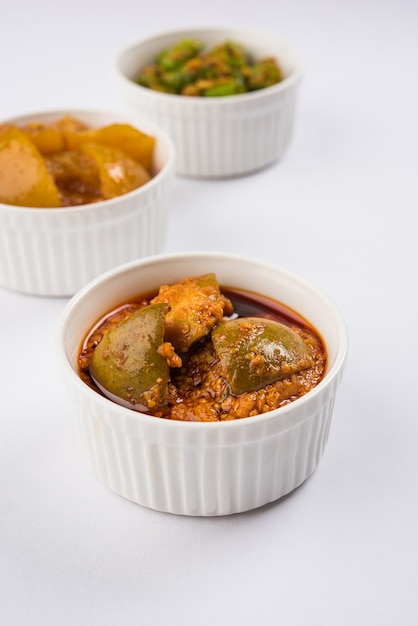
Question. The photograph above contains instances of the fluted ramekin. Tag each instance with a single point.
(223, 136)
(54, 252)
(192, 468)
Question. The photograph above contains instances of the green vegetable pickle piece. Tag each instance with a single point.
(229, 88)
(264, 74)
(255, 352)
(179, 53)
(231, 53)
(126, 364)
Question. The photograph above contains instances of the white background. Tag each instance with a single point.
(339, 209)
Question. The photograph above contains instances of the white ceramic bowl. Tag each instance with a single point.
(54, 252)
(224, 136)
(192, 468)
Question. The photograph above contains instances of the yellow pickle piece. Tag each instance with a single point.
(196, 305)
(118, 173)
(124, 137)
(24, 177)
(46, 138)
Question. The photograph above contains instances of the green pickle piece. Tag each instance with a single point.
(229, 88)
(231, 53)
(264, 74)
(179, 53)
(255, 352)
(126, 365)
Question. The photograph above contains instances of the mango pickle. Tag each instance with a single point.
(66, 163)
(127, 364)
(25, 179)
(194, 351)
(225, 70)
(256, 352)
(130, 174)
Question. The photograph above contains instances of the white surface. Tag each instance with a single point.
(339, 209)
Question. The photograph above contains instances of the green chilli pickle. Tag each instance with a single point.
(225, 70)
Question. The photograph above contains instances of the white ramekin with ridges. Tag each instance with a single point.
(194, 468)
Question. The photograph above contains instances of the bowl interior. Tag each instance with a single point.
(163, 152)
(258, 45)
(117, 286)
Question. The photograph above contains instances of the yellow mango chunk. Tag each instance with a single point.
(24, 178)
(135, 144)
(51, 138)
(118, 173)
(46, 138)
(68, 124)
